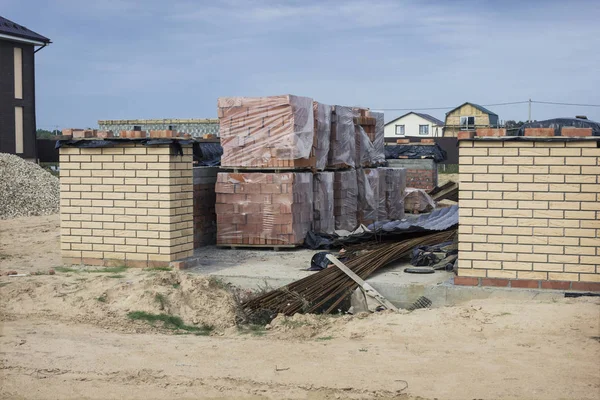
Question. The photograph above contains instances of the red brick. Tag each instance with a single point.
(575, 132)
(466, 281)
(494, 282)
(427, 141)
(586, 286)
(403, 141)
(491, 132)
(465, 135)
(525, 283)
(539, 132)
(80, 134)
(558, 285)
(164, 133)
(104, 134)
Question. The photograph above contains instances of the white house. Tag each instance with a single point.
(414, 124)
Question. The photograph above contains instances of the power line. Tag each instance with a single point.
(566, 104)
(488, 105)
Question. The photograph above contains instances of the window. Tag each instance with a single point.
(400, 130)
(423, 129)
(18, 61)
(19, 130)
(467, 123)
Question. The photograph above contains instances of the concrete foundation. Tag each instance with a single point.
(256, 269)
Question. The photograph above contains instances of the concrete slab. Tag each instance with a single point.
(257, 269)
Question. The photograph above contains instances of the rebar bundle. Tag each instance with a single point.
(326, 289)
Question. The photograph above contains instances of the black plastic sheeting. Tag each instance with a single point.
(416, 151)
(208, 154)
(558, 123)
(175, 144)
(439, 219)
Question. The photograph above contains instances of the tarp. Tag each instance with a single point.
(208, 154)
(438, 220)
(558, 123)
(175, 144)
(416, 151)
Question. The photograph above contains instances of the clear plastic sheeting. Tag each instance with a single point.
(365, 151)
(368, 195)
(417, 200)
(256, 208)
(267, 132)
(392, 191)
(379, 139)
(345, 198)
(323, 203)
(322, 114)
(342, 150)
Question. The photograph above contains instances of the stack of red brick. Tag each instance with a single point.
(256, 208)
(296, 133)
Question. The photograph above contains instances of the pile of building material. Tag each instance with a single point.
(264, 208)
(26, 189)
(337, 148)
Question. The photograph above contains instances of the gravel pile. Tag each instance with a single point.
(26, 189)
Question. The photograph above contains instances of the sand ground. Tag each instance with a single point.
(58, 340)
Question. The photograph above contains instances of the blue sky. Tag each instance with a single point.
(125, 59)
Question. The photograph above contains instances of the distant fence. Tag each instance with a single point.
(449, 144)
(46, 152)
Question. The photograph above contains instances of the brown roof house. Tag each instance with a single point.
(17, 88)
(469, 117)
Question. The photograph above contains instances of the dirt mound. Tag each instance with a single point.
(107, 300)
(26, 189)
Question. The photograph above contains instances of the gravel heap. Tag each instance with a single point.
(26, 189)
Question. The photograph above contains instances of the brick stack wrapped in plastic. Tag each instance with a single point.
(267, 132)
(264, 208)
(323, 203)
(345, 192)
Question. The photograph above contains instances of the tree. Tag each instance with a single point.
(45, 134)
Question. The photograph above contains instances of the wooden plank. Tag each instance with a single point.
(368, 289)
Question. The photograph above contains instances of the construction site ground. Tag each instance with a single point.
(68, 336)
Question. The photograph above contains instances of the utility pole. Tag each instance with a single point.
(529, 119)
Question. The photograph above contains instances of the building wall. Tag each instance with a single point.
(195, 127)
(530, 213)
(411, 124)
(8, 102)
(127, 205)
(420, 173)
(452, 123)
(205, 218)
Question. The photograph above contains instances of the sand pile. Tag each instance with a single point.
(26, 189)
(106, 300)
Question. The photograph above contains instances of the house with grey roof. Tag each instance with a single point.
(413, 124)
(18, 46)
(469, 117)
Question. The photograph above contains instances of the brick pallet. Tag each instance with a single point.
(275, 132)
(323, 219)
(368, 195)
(342, 152)
(392, 183)
(265, 209)
(345, 199)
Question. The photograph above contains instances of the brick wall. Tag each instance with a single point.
(530, 213)
(205, 219)
(126, 205)
(420, 173)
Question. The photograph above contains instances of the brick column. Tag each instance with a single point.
(530, 213)
(126, 205)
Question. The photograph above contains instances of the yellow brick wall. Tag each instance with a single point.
(530, 210)
(130, 204)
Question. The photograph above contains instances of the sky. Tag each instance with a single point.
(135, 59)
